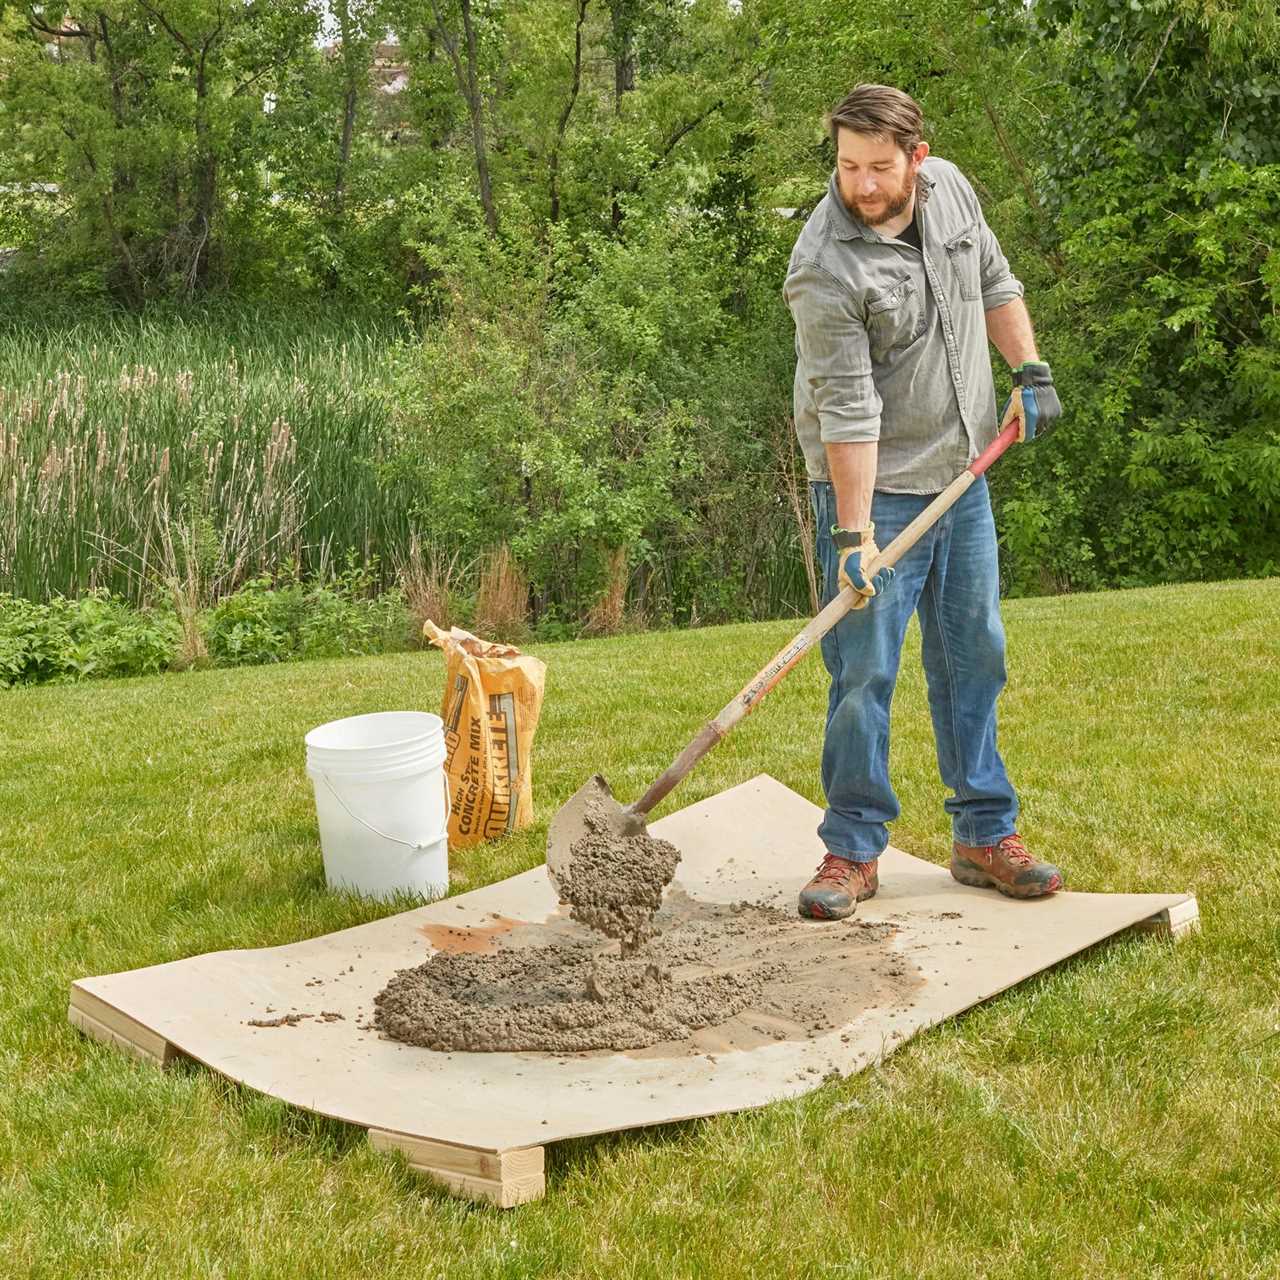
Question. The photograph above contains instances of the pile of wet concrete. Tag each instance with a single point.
(645, 971)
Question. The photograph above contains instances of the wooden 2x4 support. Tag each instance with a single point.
(99, 1021)
(1175, 922)
(502, 1178)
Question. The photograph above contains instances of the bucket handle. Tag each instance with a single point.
(408, 844)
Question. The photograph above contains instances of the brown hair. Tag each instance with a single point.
(881, 112)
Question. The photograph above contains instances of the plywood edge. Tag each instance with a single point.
(98, 1020)
(502, 1178)
(1177, 921)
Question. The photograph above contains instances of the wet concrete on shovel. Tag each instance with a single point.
(614, 881)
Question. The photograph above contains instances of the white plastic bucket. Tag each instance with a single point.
(382, 802)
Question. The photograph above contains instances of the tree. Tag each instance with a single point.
(146, 112)
(458, 36)
(1161, 175)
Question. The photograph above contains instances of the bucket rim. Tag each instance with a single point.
(432, 726)
(383, 771)
(393, 752)
(367, 766)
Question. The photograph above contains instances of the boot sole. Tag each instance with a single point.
(985, 880)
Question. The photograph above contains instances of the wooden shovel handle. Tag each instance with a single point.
(769, 676)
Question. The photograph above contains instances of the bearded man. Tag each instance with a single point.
(896, 284)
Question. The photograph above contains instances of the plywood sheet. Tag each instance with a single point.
(756, 841)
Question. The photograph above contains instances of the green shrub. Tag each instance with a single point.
(622, 396)
(512, 432)
(101, 635)
(265, 623)
(96, 635)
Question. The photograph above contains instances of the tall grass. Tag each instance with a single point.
(502, 598)
(434, 584)
(260, 439)
(605, 617)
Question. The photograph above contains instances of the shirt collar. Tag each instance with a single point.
(847, 227)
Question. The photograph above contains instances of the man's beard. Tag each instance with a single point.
(895, 205)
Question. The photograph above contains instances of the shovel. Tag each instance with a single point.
(593, 803)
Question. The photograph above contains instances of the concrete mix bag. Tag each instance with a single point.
(492, 698)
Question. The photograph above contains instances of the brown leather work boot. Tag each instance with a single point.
(837, 887)
(1005, 865)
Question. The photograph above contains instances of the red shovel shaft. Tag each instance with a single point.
(770, 675)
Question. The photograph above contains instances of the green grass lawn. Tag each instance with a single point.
(1119, 1115)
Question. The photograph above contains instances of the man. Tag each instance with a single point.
(896, 284)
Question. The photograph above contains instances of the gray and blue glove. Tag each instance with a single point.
(1034, 402)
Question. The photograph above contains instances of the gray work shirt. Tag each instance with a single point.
(891, 340)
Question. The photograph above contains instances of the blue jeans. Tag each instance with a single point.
(951, 578)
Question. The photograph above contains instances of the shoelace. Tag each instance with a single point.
(833, 868)
(1016, 852)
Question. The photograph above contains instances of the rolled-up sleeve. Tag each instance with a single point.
(999, 284)
(833, 356)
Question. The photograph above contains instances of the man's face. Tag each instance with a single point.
(877, 179)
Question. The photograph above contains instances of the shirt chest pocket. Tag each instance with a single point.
(895, 318)
(962, 255)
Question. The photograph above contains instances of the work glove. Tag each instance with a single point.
(857, 547)
(1034, 401)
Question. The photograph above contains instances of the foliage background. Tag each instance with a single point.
(557, 249)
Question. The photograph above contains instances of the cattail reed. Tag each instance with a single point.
(267, 449)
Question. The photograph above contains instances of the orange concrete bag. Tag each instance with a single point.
(492, 699)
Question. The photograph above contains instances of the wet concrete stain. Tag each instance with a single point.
(467, 939)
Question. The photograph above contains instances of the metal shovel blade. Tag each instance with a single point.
(590, 810)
